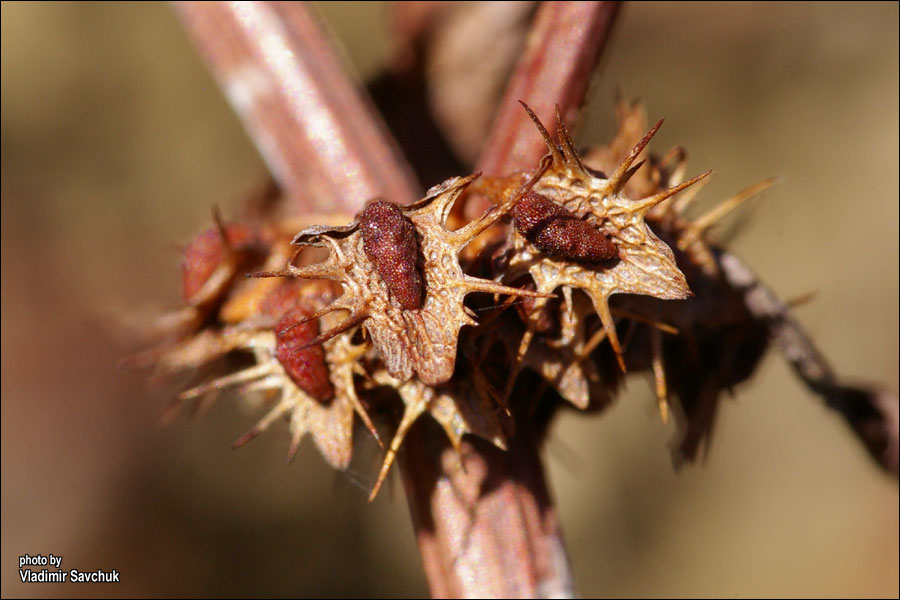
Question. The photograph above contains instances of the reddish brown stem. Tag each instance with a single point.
(488, 529)
(316, 131)
(560, 55)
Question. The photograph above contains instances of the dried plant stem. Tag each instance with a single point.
(561, 53)
(491, 529)
(326, 147)
(486, 528)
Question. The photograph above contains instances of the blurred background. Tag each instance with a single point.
(116, 143)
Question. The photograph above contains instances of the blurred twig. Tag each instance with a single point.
(873, 414)
(324, 144)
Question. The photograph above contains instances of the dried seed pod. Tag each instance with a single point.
(645, 264)
(560, 359)
(304, 364)
(330, 424)
(542, 315)
(389, 240)
(717, 342)
(557, 232)
(463, 407)
(424, 341)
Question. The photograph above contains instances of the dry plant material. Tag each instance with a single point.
(303, 363)
(700, 348)
(376, 258)
(311, 386)
(335, 314)
(590, 201)
(391, 245)
(210, 261)
(319, 353)
(344, 320)
(558, 233)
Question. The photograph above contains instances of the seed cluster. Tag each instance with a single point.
(339, 317)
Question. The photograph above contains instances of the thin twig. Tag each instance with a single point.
(873, 414)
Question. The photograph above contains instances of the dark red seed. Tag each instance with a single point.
(204, 253)
(305, 366)
(557, 232)
(390, 242)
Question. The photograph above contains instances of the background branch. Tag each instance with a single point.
(872, 413)
(326, 147)
(560, 56)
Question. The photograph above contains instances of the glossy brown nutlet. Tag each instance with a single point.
(205, 253)
(305, 366)
(390, 243)
(557, 232)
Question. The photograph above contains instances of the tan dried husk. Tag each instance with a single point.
(463, 378)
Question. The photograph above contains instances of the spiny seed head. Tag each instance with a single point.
(410, 340)
(313, 385)
(463, 407)
(209, 261)
(645, 264)
(719, 342)
(404, 287)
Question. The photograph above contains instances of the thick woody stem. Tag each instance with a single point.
(326, 147)
(484, 518)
